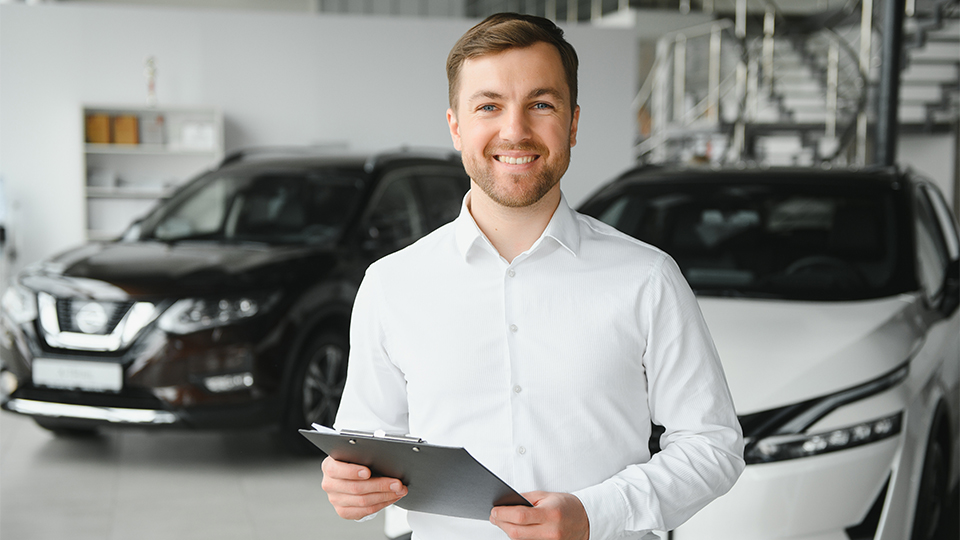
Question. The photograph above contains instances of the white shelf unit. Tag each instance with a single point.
(124, 181)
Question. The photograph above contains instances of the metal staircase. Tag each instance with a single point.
(780, 88)
(930, 82)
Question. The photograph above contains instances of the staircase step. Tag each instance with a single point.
(937, 50)
(796, 85)
(811, 116)
(912, 114)
(926, 93)
(937, 72)
(949, 27)
(925, 82)
(791, 101)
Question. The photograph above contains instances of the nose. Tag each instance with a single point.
(516, 126)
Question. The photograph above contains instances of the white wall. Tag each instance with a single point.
(280, 78)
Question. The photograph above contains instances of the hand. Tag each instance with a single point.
(353, 493)
(554, 516)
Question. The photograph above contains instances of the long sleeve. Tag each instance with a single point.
(702, 447)
(375, 393)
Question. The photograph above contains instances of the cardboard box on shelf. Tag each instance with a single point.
(125, 129)
(98, 128)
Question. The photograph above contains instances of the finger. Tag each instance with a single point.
(366, 500)
(514, 515)
(362, 487)
(349, 512)
(344, 470)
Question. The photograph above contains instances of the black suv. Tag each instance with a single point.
(228, 304)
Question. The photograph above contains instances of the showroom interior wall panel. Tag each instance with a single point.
(279, 78)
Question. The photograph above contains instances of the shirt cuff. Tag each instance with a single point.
(367, 518)
(607, 510)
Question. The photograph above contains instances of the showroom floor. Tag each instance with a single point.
(161, 485)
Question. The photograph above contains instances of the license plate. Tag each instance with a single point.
(77, 375)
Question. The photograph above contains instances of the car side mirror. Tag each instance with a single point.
(951, 289)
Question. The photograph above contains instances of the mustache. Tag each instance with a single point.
(495, 149)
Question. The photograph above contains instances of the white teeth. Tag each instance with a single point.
(515, 161)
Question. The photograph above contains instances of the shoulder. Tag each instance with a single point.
(599, 239)
(434, 248)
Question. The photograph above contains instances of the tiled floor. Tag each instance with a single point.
(171, 485)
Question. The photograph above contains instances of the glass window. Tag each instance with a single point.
(310, 207)
(199, 215)
(768, 239)
(395, 217)
(932, 255)
(947, 223)
(443, 194)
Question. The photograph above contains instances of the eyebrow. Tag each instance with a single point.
(535, 93)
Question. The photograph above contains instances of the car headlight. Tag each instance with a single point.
(779, 448)
(19, 304)
(781, 434)
(195, 314)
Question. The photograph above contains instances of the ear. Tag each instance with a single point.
(573, 126)
(454, 128)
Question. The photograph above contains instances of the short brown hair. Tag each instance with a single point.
(504, 31)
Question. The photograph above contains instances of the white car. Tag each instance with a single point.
(832, 298)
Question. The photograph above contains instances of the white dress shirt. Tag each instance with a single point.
(548, 370)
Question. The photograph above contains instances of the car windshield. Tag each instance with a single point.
(806, 241)
(276, 207)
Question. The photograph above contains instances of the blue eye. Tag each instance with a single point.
(488, 108)
(543, 106)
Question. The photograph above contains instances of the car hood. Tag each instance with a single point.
(151, 269)
(777, 353)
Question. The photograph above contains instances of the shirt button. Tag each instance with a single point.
(511, 272)
(513, 328)
(517, 389)
(521, 450)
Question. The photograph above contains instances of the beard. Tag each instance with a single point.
(517, 190)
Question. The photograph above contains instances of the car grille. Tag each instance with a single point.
(68, 307)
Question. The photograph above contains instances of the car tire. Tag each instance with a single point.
(932, 494)
(65, 429)
(315, 389)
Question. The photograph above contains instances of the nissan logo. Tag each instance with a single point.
(91, 318)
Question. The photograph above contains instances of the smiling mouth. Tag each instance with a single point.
(515, 160)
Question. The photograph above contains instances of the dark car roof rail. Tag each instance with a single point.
(280, 151)
(406, 152)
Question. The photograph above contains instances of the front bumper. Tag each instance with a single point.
(813, 498)
(165, 381)
(46, 409)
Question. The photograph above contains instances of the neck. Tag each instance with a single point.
(512, 230)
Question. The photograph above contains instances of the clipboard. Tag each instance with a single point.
(443, 480)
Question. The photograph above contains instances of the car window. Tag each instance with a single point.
(946, 220)
(800, 241)
(270, 206)
(932, 253)
(199, 215)
(443, 193)
(395, 216)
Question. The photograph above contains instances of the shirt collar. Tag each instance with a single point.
(562, 228)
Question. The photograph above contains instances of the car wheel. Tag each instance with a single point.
(933, 490)
(65, 429)
(316, 388)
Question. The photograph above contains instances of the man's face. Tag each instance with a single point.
(514, 123)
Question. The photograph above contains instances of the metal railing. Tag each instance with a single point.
(742, 74)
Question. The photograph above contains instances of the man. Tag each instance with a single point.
(543, 341)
